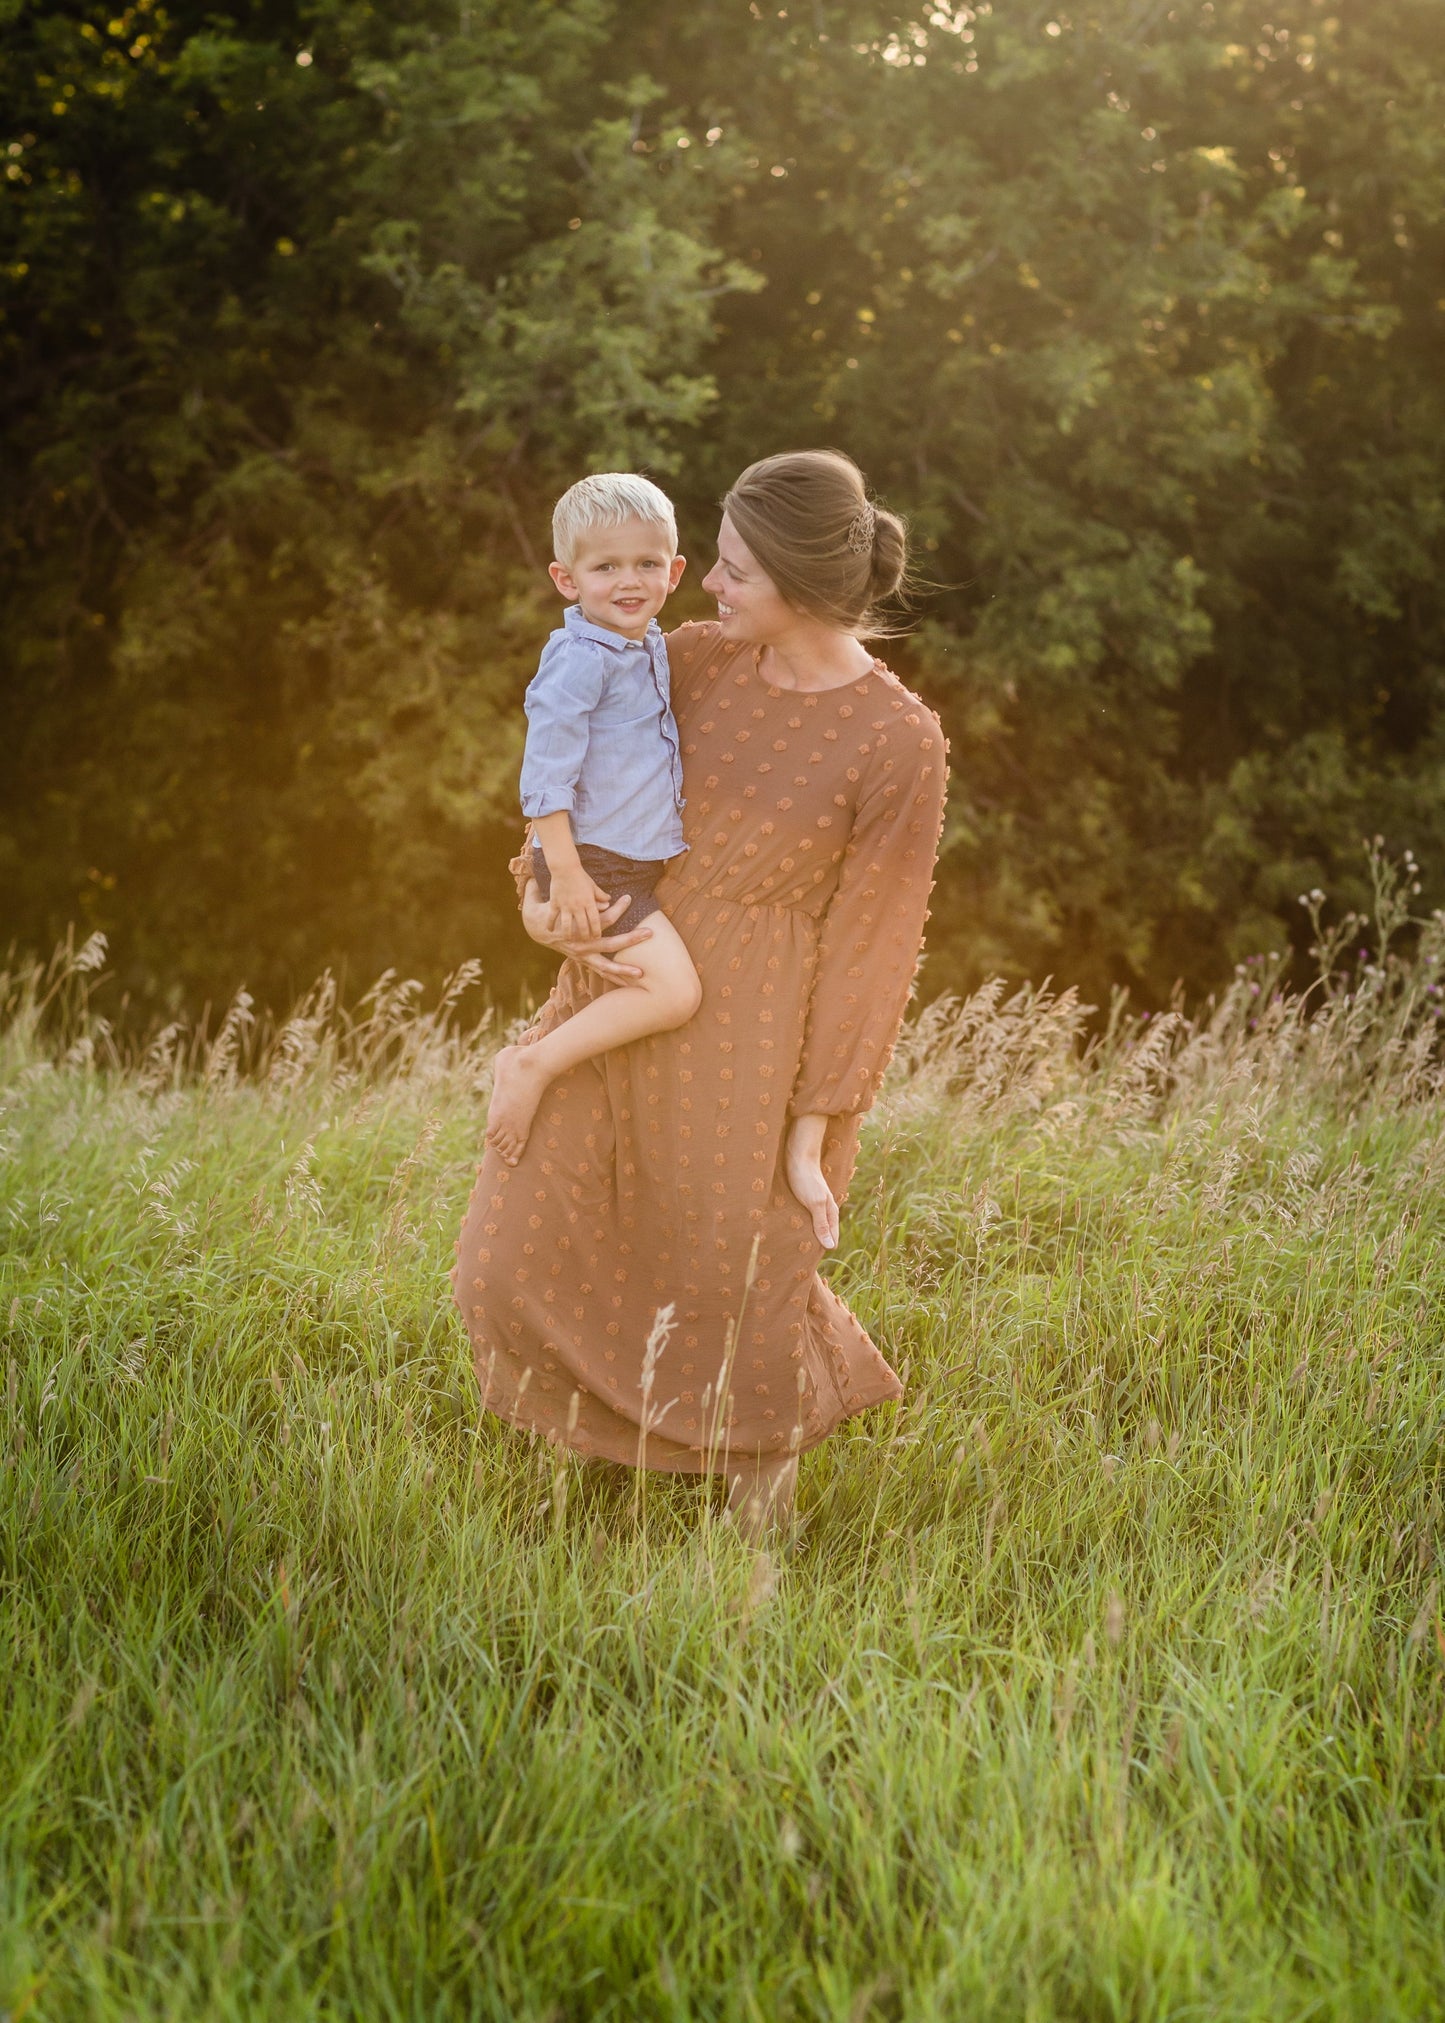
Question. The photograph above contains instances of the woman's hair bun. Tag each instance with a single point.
(890, 556)
(806, 517)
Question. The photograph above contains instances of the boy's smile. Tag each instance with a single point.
(621, 576)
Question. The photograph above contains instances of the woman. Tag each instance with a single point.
(643, 1285)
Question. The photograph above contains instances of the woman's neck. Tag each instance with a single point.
(812, 656)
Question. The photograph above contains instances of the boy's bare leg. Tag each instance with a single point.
(666, 995)
(760, 1495)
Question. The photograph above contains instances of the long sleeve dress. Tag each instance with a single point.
(654, 1176)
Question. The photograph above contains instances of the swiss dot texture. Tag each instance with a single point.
(813, 825)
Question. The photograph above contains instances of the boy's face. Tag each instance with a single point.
(621, 576)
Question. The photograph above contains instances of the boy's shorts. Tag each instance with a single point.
(614, 874)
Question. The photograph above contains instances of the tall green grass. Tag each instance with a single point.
(1102, 1678)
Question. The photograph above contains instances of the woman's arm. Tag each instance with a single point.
(867, 953)
(872, 930)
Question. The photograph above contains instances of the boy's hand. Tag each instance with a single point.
(577, 901)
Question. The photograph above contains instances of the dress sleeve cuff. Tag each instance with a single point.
(521, 866)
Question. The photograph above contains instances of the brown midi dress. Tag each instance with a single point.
(654, 1176)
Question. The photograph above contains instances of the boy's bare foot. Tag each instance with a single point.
(519, 1079)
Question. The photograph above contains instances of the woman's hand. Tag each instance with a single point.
(600, 955)
(803, 1162)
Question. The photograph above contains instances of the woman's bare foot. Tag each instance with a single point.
(519, 1079)
(760, 1495)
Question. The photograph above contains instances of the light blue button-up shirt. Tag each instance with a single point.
(602, 741)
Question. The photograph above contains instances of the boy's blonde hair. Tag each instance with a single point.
(607, 499)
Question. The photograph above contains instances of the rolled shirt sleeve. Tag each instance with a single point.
(872, 931)
(559, 703)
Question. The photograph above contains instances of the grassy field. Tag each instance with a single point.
(1101, 1679)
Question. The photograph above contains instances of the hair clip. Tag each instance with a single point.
(861, 530)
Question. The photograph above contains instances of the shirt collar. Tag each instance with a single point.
(574, 621)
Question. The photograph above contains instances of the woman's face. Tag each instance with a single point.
(749, 606)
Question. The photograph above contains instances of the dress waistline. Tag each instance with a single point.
(679, 885)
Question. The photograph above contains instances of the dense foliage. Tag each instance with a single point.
(310, 306)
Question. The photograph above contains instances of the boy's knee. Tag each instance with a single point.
(682, 999)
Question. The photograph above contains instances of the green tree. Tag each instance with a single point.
(1135, 311)
(311, 309)
(303, 330)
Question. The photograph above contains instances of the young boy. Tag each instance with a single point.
(602, 780)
